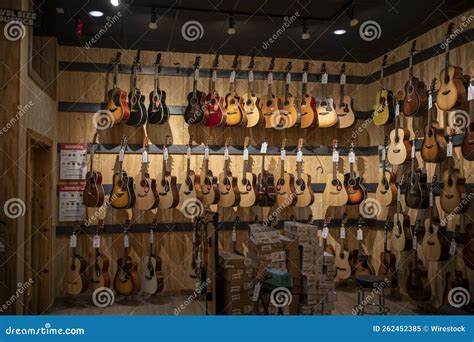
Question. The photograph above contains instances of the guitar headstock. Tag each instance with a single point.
(450, 30)
(413, 45)
(227, 142)
(360, 222)
(252, 63)
(399, 96)
(384, 61)
(306, 67)
(197, 62)
(300, 143)
(190, 141)
(246, 142)
(95, 139)
(334, 144)
(433, 182)
(100, 225)
(157, 64)
(352, 146)
(343, 69)
(128, 225)
(283, 143)
(168, 141)
(76, 228)
(118, 57)
(323, 68)
(137, 61)
(401, 181)
(235, 63)
(289, 65)
(386, 141)
(345, 218)
(215, 63)
(146, 142)
(123, 142)
(272, 64)
(236, 222)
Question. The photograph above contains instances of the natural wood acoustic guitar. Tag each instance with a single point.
(100, 272)
(344, 111)
(77, 281)
(384, 107)
(306, 103)
(93, 195)
(251, 100)
(285, 185)
(327, 116)
(209, 185)
(304, 192)
(289, 114)
(342, 256)
(228, 189)
(122, 195)
(235, 115)
(270, 109)
(147, 197)
(248, 183)
(126, 281)
(386, 192)
(399, 148)
(117, 103)
(191, 189)
(415, 102)
(167, 185)
(335, 193)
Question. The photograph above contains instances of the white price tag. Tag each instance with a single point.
(360, 234)
(325, 232)
(449, 149)
(430, 101)
(73, 241)
(126, 243)
(397, 109)
(288, 78)
(335, 156)
(232, 76)
(188, 152)
(263, 149)
(196, 74)
(145, 157)
(398, 194)
(256, 292)
(194, 237)
(121, 154)
(270, 78)
(214, 76)
(96, 241)
(234, 235)
(299, 156)
(415, 242)
(470, 92)
(384, 154)
(304, 78)
(226, 154)
(283, 154)
(342, 234)
(251, 76)
(431, 198)
(352, 157)
(324, 78)
(452, 248)
(413, 150)
(206, 153)
(246, 154)
(343, 79)
(151, 237)
(165, 153)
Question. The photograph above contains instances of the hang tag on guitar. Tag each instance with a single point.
(96, 241)
(413, 150)
(234, 235)
(126, 243)
(304, 78)
(121, 154)
(470, 92)
(188, 152)
(214, 76)
(299, 156)
(270, 78)
(431, 198)
(452, 248)
(343, 79)
(151, 237)
(352, 157)
(397, 109)
(232, 76)
(206, 153)
(335, 156)
(324, 78)
(325, 233)
(194, 237)
(415, 242)
(342, 234)
(256, 291)
(226, 154)
(384, 153)
(165, 154)
(360, 234)
(288, 78)
(73, 241)
(145, 157)
(283, 154)
(246, 154)
(430, 101)
(263, 149)
(398, 194)
(196, 74)
(251, 76)
(449, 149)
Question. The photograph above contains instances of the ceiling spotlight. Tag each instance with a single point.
(231, 29)
(354, 21)
(305, 35)
(96, 13)
(339, 32)
(152, 25)
(60, 10)
(114, 2)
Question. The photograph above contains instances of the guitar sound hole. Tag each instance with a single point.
(207, 181)
(269, 103)
(450, 182)
(226, 181)
(334, 182)
(244, 182)
(143, 183)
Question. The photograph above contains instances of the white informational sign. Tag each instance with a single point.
(73, 161)
(71, 207)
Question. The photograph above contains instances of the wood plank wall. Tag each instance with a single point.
(175, 247)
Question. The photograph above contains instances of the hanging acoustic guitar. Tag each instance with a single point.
(383, 110)
(266, 182)
(304, 192)
(344, 111)
(248, 184)
(270, 110)
(196, 112)
(233, 103)
(158, 112)
(93, 195)
(287, 104)
(415, 102)
(136, 100)
(327, 116)
(214, 103)
(117, 98)
(167, 187)
(307, 103)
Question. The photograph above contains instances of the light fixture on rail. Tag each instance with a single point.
(305, 35)
(354, 21)
(152, 25)
(231, 29)
(114, 3)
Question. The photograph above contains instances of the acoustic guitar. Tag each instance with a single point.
(452, 92)
(304, 192)
(327, 116)
(467, 147)
(468, 250)
(384, 109)
(145, 187)
(417, 285)
(433, 148)
(76, 276)
(235, 116)
(453, 197)
(251, 101)
(93, 195)
(136, 100)
(167, 187)
(117, 103)
(415, 102)
(126, 280)
(214, 103)
(158, 111)
(387, 268)
(248, 184)
(196, 111)
(335, 193)
(270, 110)
(122, 195)
(342, 256)
(360, 261)
(435, 245)
(100, 273)
(307, 103)
(386, 192)
(266, 182)
(399, 148)
(401, 235)
(356, 192)
(285, 185)
(289, 115)
(416, 196)
(151, 277)
(344, 111)
(229, 191)
(209, 186)
(191, 187)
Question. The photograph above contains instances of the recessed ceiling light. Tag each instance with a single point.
(96, 13)
(114, 2)
(60, 10)
(339, 32)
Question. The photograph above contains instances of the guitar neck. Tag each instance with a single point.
(188, 167)
(282, 168)
(341, 93)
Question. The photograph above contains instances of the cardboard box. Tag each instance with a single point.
(232, 260)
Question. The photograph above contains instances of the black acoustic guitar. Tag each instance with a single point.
(195, 112)
(158, 111)
(417, 194)
(136, 100)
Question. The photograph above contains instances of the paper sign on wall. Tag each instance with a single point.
(73, 161)
(71, 207)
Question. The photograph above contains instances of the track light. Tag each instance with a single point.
(231, 29)
(354, 21)
(114, 2)
(152, 25)
(305, 35)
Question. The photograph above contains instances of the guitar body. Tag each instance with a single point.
(229, 191)
(435, 246)
(454, 193)
(355, 189)
(433, 148)
(335, 194)
(361, 264)
(191, 188)
(417, 194)
(117, 105)
(138, 111)
(270, 111)
(399, 150)
(468, 250)
(386, 192)
(215, 108)
(146, 193)
(451, 93)
(418, 285)
(266, 189)
(100, 272)
(233, 110)
(93, 195)
(401, 237)
(126, 281)
(167, 191)
(76, 276)
(248, 190)
(148, 280)
(195, 112)
(342, 263)
(387, 268)
(345, 113)
(384, 111)
(122, 195)
(158, 111)
(289, 113)
(252, 110)
(416, 100)
(285, 189)
(327, 116)
(210, 189)
(467, 147)
(304, 192)
(308, 111)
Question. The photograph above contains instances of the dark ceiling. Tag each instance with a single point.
(255, 22)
